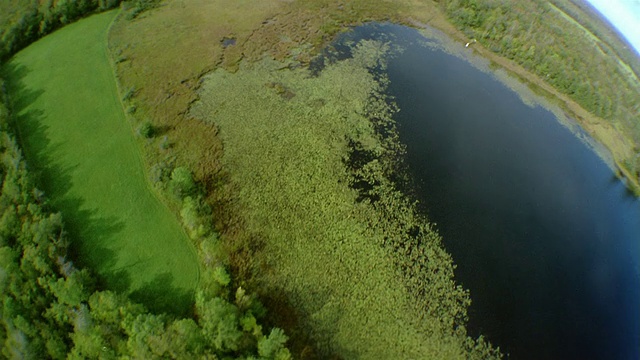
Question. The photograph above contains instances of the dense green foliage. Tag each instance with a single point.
(52, 309)
(368, 276)
(33, 19)
(83, 150)
(30, 20)
(549, 42)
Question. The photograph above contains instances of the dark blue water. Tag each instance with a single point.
(543, 234)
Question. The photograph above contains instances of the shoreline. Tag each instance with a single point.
(572, 111)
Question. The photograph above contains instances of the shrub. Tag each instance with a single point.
(190, 215)
(181, 182)
(146, 130)
(129, 94)
(272, 347)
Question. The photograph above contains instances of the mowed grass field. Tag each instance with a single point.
(84, 152)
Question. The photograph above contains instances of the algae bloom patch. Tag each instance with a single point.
(288, 137)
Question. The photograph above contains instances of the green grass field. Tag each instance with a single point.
(78, 141)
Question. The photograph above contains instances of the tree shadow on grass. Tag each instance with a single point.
(160, 295)
(87, 230)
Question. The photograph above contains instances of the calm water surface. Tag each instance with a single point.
(544, 235)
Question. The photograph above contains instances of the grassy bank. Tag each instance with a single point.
(77, 139)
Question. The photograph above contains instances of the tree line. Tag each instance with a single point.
(537, 35)
(39, 18)
(53, 309)
(50, 308)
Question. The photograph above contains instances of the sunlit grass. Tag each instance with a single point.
(76, 137)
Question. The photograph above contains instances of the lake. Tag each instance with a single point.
(544, 235)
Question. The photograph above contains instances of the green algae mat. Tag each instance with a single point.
(286, 134)
(83, 151)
